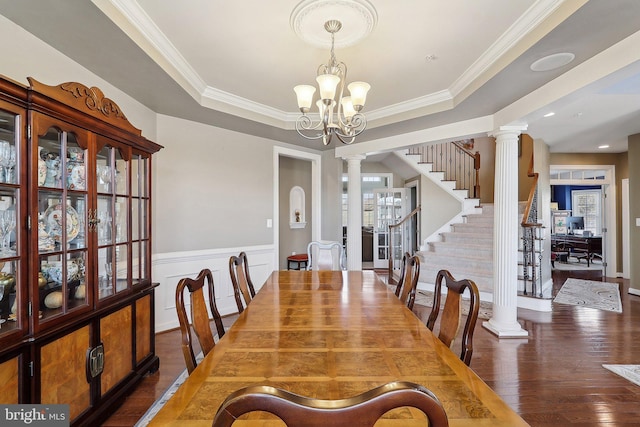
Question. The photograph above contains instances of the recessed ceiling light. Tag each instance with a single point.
(552, 62)
(603, 146)
(549, 114)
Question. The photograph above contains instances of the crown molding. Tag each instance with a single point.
(134, 21)
(534, 16)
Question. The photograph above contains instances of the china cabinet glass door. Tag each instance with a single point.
(111, 218)
(12, 292)
(140, 208)
(61, 222)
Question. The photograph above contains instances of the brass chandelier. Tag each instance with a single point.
(348, 121)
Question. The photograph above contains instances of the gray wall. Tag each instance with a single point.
(331, 197)
(438, 207)
(378, 167)
(214, 188)
(293, 172)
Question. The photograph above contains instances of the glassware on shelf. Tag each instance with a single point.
(5, 159)
(104, 177)
(7, 224)
(1, 298)
(12, 164)
(105, 281)
(8, 161)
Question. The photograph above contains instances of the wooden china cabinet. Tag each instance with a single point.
(76, 296)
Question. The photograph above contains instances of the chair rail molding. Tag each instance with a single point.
(169, 268)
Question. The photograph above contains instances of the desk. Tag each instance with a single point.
(584, 247)
(332, 335)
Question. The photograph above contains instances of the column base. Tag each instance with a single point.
(505, 331)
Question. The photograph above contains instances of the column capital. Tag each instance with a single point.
(509, 130)
(354, 157)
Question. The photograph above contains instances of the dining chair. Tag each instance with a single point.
(325, 256)
(241, 280)
(199, 316)
(362, 410)
(408, 283)
(452, 312)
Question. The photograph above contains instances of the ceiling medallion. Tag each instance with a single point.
(358, 18)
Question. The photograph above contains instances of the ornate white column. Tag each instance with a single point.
(504, 322)
(354, 213)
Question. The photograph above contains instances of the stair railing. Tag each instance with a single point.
(403, 237)
(532, 240)
(456, 161)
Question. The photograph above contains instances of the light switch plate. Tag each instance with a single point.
(637, 222)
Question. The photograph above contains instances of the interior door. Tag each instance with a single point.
(390, 208)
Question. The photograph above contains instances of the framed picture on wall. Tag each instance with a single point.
(560, 221)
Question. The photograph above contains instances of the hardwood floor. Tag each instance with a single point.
(553, 378)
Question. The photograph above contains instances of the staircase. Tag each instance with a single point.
(464, 245)
(466, 251)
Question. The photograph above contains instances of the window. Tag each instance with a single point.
(588, 204)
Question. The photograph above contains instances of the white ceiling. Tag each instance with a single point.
(234, 63)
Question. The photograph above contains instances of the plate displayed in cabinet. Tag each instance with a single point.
(53, 222)
(76, 177)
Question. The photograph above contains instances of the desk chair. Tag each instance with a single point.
(560, 251)
(325, 256)
(408, 283)
(452, 312)
(199, 316)
(358, 411)
(242, 285)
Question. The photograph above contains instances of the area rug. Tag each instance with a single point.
(576, 265)
(629, 372)
(591, 294)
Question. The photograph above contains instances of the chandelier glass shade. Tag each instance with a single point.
(339, 115)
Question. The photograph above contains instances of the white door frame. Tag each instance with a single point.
(608, 185)
(316, 208)
(626, 258)
(377, 262)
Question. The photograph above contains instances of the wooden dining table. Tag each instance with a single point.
(332, 335)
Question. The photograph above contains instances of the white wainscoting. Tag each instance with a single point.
(169, 268)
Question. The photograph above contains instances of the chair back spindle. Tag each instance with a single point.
(408, 283)
(452, 312)
(241, 280)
